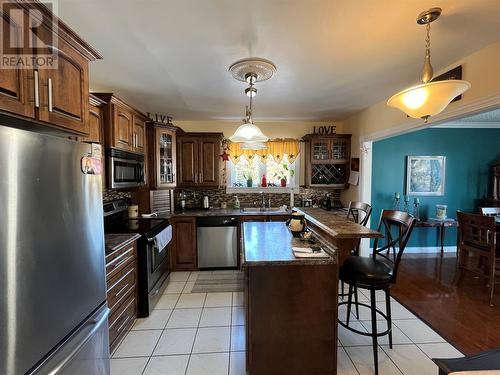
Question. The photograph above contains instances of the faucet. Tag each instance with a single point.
(263, 200)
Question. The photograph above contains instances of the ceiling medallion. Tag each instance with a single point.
(429, 98)
(262, 69)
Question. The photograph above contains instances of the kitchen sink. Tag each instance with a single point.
(260, 209)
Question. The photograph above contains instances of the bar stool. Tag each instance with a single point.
(378, 272)
(360, 213)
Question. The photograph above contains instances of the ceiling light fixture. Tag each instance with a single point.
(429, 98)
(251, 70)
(253, 146)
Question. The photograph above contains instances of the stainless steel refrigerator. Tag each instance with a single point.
(53, 312)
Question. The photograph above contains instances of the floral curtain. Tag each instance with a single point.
(276, 148)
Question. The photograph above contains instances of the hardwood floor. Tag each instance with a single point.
(462, 314)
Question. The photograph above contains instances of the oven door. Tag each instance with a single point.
(158, 256)
(126, 172)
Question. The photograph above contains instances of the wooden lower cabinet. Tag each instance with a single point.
(291, 319)
(184, 245)
(121, 279)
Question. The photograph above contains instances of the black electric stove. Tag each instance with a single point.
(153, 264)
(146, 227)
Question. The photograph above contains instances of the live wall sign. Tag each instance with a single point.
(325, 130)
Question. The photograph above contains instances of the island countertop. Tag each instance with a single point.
(336, 224)
(270, 243)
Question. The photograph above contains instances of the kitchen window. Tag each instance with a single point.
(245, 169)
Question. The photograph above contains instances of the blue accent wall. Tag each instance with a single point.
(469, 152)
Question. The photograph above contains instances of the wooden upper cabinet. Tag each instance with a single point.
(198, 159)
(162, 156)
(139, 134)
(16, 85)
(187, 160)
(96, 121)
(208, 158)
(327, 160)
(124, 126)
(64, 91)
(55, 93)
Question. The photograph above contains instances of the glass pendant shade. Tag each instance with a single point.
(253, 146)
(248, 132)
(428, 99)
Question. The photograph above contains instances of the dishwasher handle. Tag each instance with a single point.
(217, 221)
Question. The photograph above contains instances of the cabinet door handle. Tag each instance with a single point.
(50, 95)
(37, 90)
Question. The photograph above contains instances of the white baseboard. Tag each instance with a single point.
(431, 249)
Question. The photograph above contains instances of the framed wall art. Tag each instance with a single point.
(425, 175)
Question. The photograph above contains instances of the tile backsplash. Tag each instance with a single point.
(111, 195)
(218, 195)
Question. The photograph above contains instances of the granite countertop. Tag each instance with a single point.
(225, 212)
(113, 241)
(270, 244)
(335, 223)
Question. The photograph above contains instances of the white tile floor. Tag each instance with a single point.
(204, 334)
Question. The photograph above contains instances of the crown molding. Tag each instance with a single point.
(467, 125)
(448, 116)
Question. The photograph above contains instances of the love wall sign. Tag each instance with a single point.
(325, 130)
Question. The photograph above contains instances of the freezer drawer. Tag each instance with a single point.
(85, 352)
(217, 247)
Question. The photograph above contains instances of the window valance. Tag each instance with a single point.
(276, 148)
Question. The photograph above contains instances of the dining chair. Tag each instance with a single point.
(490, 211)
(360, 213)
(378, 272)
(478, 236)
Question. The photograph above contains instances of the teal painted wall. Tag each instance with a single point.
(468, 155)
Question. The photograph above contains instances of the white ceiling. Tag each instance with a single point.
(334, 57)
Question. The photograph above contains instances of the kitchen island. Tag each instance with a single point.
(292, 302)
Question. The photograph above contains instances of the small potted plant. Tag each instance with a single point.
(249, 179)
(282, 174)
(283, 181)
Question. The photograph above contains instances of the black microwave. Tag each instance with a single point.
(126, 169)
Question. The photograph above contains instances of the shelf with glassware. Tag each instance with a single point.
(327, 159)
(162, 158)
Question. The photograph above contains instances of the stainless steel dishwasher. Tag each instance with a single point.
(217, 242)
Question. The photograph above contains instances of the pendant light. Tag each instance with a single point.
(253, 146)
(251, 70)
(429, 98)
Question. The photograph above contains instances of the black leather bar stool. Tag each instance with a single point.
(360, 213)
(378, 272)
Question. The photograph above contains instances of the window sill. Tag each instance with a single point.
(258, 189)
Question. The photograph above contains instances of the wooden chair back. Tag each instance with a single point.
(398, 226)
(477, 233)
(355, 210)
(490, 211)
